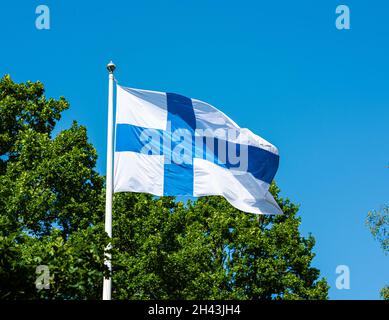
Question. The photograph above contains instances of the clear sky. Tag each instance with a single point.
(280, 68)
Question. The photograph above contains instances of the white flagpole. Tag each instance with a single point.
(109, 177)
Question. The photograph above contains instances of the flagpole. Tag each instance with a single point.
(107, 283)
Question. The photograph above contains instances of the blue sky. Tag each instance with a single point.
(283, 70)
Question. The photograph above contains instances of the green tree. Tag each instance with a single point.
(378, 223)
(51, 213)
(208, 249)
(50, 198)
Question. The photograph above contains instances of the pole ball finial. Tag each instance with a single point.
(111, 67)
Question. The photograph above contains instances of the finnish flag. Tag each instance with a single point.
(170, 145)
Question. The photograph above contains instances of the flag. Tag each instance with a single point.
(170, 145)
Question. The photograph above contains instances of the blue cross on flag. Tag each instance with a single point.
(170, 145)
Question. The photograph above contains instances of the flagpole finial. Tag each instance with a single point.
(111, 67)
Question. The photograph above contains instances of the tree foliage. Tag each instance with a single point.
(52, 213)
(50, 198)
(378, 223)
(210, 249)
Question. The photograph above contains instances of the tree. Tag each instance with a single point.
(50, 198)
(51, 213)
(208, 249)
(378, 223)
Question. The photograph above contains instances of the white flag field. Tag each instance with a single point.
(170, 145)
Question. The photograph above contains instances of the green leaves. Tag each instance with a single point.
(51, 199)
(378, 223)
(22, 107)
(53, 181)
(385, 293)
(209, 250)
